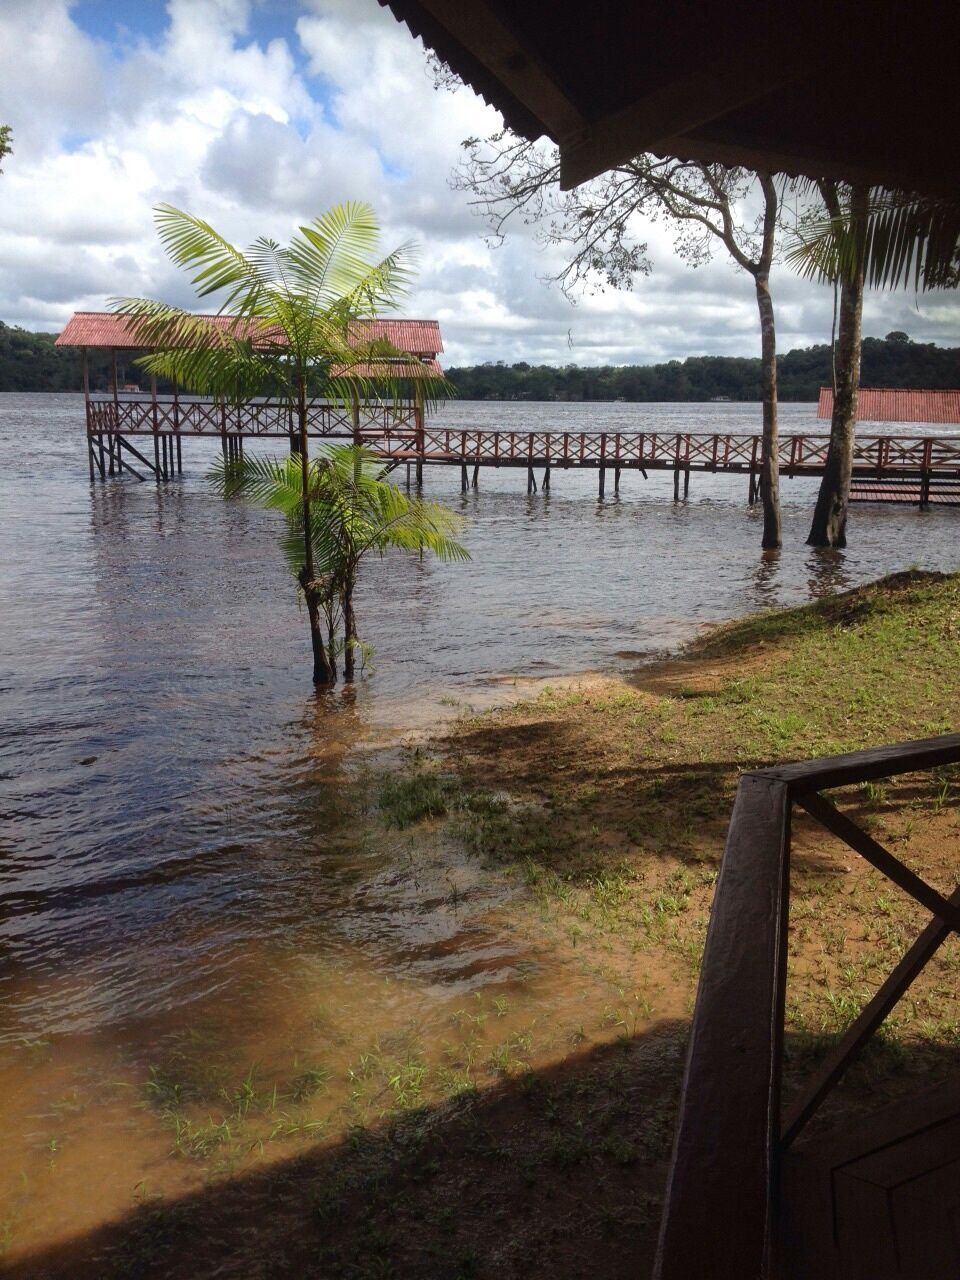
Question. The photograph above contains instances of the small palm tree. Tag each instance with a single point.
(292, 335)
(354, 511)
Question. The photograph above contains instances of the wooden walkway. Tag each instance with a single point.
(911, 468)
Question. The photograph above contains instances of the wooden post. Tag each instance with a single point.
(156, 437)
(531, 482)
(355, 409)
(223, 430)
(925, 474)
(85, 383)
(686, 482)
(179, 456)
(421, 443)
(676, 483)
(603, 480)
(476, 475)
(603, 459)
(616, 480)
(116, 416)
(546, 478)
(463, 477)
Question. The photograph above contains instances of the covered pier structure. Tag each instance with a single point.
(122, 416)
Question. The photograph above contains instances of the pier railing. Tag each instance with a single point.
(721, 1202)
(393, 431)
(267, 418)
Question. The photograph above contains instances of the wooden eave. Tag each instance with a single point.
(822, 90)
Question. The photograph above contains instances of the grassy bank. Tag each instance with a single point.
(530, 1138)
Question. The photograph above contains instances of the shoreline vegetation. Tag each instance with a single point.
(30, 362)
(530, 1134)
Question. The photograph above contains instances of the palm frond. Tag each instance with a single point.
(904, 241)
(192, 243)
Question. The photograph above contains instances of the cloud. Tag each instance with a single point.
(195, 105)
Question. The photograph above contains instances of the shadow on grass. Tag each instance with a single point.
(553, 1172)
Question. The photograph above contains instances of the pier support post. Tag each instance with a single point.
(616, 480)
(90, 454)
(463, 477)
(179, 457)
(686, 482)
(752, 491)
(676, 484)
(531, 480)
(156, 456)
(924, 490)
(546, 478)
(408, 476)
(603, 481)
(476, 475)
(419, 473)
(103, 462)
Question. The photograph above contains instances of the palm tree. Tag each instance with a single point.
(882, 239)
(354, 511)
(292, 334)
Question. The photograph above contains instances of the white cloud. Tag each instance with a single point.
(257, 134)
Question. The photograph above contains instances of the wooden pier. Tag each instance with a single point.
(142, 433)
(144, 436)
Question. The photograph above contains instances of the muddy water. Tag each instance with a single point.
(210, 946)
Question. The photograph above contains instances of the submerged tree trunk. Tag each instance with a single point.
(829, 527)
(349, 630)
(322, 673)
(770, 452)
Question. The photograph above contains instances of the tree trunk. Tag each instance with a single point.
(829, 527)
(322, 670)
(770, 452)
(349, 629)
(322, 673)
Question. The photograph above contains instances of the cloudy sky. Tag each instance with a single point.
(257, 114)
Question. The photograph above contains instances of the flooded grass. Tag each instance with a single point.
(372, 1126)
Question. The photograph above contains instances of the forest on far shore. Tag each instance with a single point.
(894, 361)
(30, 362)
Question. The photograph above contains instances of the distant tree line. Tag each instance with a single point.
(893, 361)
(30, 362)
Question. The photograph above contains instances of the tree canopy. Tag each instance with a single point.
(894, 361)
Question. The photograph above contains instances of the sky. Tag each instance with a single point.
(259, 114)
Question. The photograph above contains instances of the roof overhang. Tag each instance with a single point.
(830, 88)
(106, 330)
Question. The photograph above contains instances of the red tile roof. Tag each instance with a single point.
(104, 329)
(881, 405)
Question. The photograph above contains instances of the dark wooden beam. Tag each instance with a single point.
(652, 122)
(717, 1215)
(492, 42)
(862, 766)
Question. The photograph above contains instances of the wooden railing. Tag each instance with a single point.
(720, 1215)
(257, 418)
